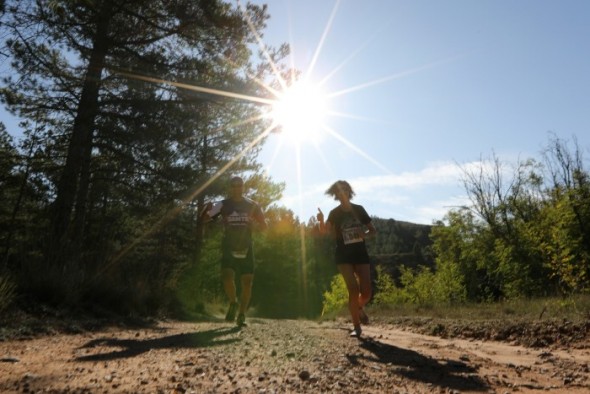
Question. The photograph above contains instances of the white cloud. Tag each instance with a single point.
(442, 173)
(421, 197)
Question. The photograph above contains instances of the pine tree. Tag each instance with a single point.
(129, 141)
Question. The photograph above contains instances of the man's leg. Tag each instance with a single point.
(229, 286)
(246, 283)
(246, 272)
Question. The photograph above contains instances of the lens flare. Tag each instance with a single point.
(299, 112)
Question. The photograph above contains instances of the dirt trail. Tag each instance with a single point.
(283, 356)
(502, 365)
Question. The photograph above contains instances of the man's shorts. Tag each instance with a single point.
(241, 266)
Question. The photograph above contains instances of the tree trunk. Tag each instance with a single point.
(200, 230)
(79, 151)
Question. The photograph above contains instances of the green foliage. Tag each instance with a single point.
(98, 199)
(336, 297)
(563, 245)
(417, 286)
(279, 289)
(449, 284)
(386, 292)
(421, 287)
(529, 239)
(460, 244)
(199, 284)
(292, 270)
(569, 309)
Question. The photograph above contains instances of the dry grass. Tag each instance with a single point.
(575, 309)
(532, 323)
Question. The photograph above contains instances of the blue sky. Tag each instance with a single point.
(424, 86)
(430, 84)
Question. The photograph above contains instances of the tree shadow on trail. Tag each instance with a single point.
(134, 347)
(452, 374)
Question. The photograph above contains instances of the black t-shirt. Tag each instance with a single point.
(238, 218)
(348, 226)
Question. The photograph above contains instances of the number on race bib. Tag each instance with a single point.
(352, 235)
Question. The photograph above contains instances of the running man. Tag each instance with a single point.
(239, 215)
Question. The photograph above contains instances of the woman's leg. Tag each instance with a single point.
(363, 272)
(347, 272)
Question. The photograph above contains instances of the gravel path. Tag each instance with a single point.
(283, 356)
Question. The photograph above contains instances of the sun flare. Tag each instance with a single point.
(299, 112)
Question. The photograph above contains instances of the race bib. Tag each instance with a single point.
(240, 254)
(238, 238)
(352, 235)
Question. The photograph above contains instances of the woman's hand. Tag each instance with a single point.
(371, 231)
(320, 216)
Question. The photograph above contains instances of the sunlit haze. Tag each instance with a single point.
(418, 88)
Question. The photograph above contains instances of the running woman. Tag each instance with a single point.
(350, 225)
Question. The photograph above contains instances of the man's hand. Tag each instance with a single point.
(204, 215)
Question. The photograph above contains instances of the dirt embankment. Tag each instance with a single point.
(294, 356)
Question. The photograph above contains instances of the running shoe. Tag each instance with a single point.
(241, 320)
(356, 332)
(231, 312)
(363, 316)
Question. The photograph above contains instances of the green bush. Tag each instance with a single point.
(386, 292)
(337, 297)
(421, 287)
(418, 286)
(449, 284)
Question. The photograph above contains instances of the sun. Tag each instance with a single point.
(299, 112)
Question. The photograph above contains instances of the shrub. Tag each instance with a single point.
(337, 297)
(386, 292)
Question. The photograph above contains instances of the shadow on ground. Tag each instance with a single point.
(452, 374)
(134, 347)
